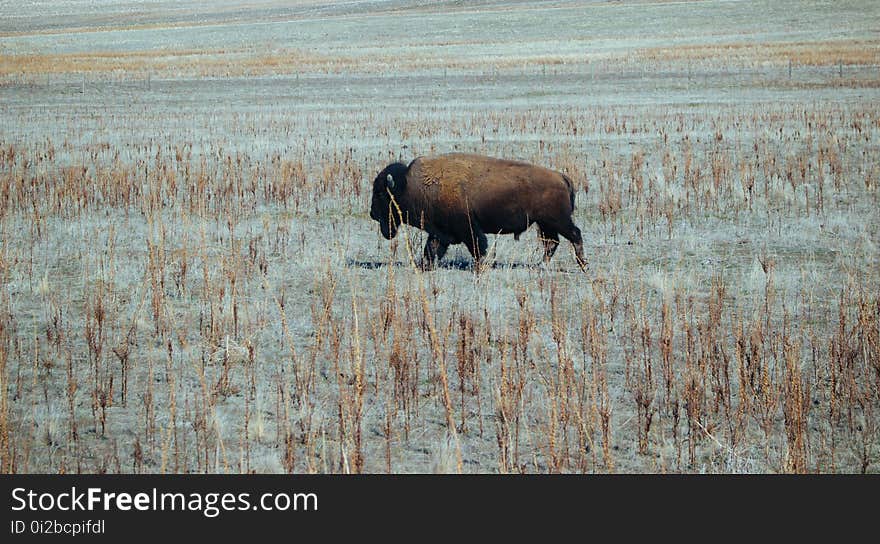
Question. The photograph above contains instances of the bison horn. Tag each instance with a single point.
(390, 179)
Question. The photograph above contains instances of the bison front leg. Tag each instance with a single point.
(435, 249)
(477, 244)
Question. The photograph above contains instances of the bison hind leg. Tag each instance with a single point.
(550, 239)
(573, 235)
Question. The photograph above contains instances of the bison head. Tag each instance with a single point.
(391, 181)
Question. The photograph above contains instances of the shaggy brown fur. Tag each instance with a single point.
(459, 198)
(445, 167)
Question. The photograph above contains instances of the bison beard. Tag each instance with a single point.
(384, 208)
(389, 221)
(459, 198)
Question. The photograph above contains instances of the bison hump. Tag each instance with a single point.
(446, 169)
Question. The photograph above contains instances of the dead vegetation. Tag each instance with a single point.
(246, 62)
(197, 287)
(802, 53)
(168, 63)
(172, 310)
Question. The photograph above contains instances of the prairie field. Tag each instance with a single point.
(191, 281)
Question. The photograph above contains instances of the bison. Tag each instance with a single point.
(459, 198)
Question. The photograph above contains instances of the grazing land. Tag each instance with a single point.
(191, 281)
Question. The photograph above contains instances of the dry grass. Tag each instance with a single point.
(805, 53)
(191, 282)
(169, 63)
(172, 311)
(257, 62)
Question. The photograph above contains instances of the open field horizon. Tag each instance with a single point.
(192, 282)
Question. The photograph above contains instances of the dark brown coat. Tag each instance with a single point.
(459, 198)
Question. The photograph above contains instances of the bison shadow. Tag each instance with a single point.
(455, 263)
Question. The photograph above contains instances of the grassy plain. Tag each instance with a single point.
(191, 281)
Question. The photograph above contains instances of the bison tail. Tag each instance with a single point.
(570, 185)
